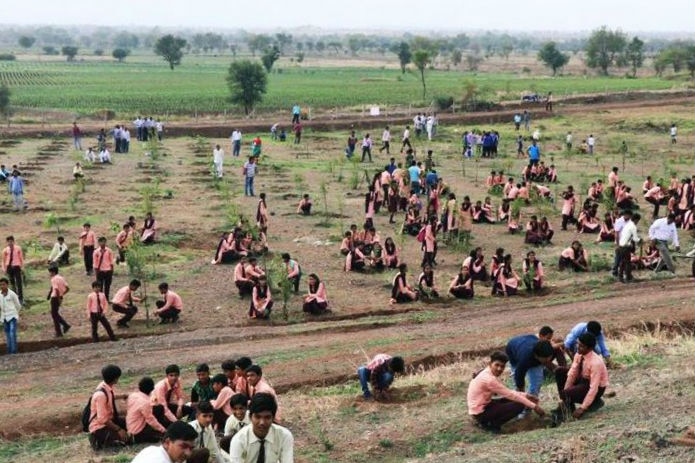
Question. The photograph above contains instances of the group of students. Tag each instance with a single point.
(232, 416)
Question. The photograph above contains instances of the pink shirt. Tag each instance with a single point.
(484, 386)
(95, 302)
(568, 205)
(13, 254)
(539, 270)
(264, 387)
(222, 400)
(654, 192)
(239, 273)
(429, 238)
(87, 238)
(139, 414)
(159, 396)
(103, 259)
(320, 294)
(101, 407)
(122, 296)
(594, 369)
(171, 299)
(58, 286)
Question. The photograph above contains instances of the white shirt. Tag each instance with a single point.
(57, 251)
(279, 446)
(206, 439)
(628, 234)
(619, 224)
(250, 169)
(152, 454)
(590, 141)
(159, 126)
(236, 135)
(105, 156)
(568, 138)
(218, 156)
(661, 230)
(9, 306)
(406, 134)
(386, 136)
(674, 131)
(231, 426)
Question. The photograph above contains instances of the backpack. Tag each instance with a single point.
(87, 412)
(421, 234)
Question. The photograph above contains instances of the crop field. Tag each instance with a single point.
(144, 84)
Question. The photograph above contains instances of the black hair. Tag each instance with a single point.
(180, 430)
(588, 339)
(146, 385)
(243, 363)
(498, 356)
(135, 283)
(4, 280)
(285, 255)
(546, 331)
(96, 284)
(219, 378)
(239, 399)
(173, 368)
(228, 365)
(594, 327)
(543, 349)
(263, 402)
(205, 407)
(255, 369)
(110, 373)
(397, 365)
(202, 367)
(163, 286)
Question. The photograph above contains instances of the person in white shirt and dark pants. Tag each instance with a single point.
(662, 232)
(626, 242)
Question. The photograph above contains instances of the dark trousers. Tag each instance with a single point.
(575, 394)
(366, 151)
(171, 313)
(59, 322)
(14, 274)
(88, 259)
(498, 412)
(95, 319)
(128, 312)
(245, 287)
(386, 146)
(219, 419)
(295, 282)
(158, 413)
(147, 435)
(105, 437)
(462, 293)
(314, 307)
(567, 219)
(104, 279)
(624, 264)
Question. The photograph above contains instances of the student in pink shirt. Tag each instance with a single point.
(12, 263)
(97, 304)
(122, 302)
(103, 264)
(294, 271)
(123, 240)
(140, 421)
(258, 384)
(532, 269)
(507, 282)
(584, 383)
(170, 307)
(106, 427)
(569, 200)
(88, 241)
(401, 291)
(489, 413)
(261, 300)
(220, 404)
(242, 280)
(430, 244)
(574, 257)
(59, 288)
(149, 229)
(167, 398)
(316, 301)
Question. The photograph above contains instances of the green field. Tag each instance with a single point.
(146, 85)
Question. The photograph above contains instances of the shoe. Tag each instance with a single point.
(66, 329)
(598, 403)
(122, 325)
(163, 321)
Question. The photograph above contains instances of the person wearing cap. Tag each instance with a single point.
(584, 383)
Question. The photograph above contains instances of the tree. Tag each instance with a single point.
(171, 49)
(336, 45)
(26, 42)
(320, 46)
(5, 101)
(126, 40)
(634, 54)
(421, 58)
(402, 50)
(69, 51)
(473, 60)
(456, 57)
(552, 57)
(604, 49)
(270, 55)
(257, 42)
(120, 54)
(247, 82)
(49, 50)
(283, 40)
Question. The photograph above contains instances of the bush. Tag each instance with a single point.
(444, 102)
(7, 57)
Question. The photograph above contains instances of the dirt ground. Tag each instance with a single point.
(297, 352)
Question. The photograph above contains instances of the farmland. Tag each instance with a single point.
(144, 84)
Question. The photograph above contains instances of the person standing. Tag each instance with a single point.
(568, 141)
(386, 140)
(87, 242)
(549, 102)
(367, 148)
(218, 160)
(628, 238)
(661, 232)
(591, 142)
(296, 112)
(534, 153)
(16, 188)
(59, 288)
(76, 136)
(9, 313)
(236, 142)
(249, 171)
(103, 256)
(96, 312)
(12, 265)
(406, 139)
(674, 134)
(527, 120)
(160, 129)
(297, 128)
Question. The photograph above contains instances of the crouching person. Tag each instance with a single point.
(380, 372)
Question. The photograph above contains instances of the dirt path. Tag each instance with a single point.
(44, 391)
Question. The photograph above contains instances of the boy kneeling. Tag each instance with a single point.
(379, 372)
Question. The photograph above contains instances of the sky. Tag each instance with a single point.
(394, 15)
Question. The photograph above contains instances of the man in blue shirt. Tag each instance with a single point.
(534, 153)
(528, 355)
(16, 188)
(592, 327)
(414, 172)
(431, 180)
(391, 167)
(296, 111)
